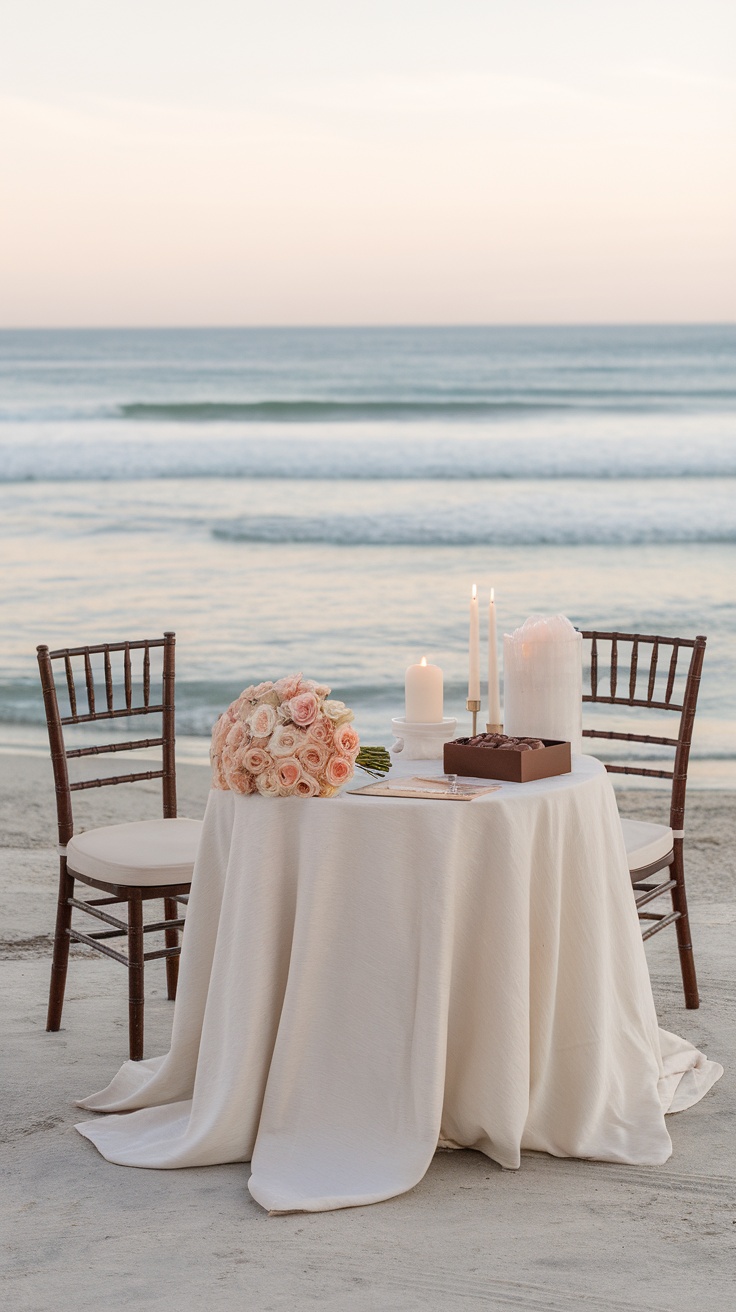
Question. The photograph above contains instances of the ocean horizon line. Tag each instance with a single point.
(352, 326)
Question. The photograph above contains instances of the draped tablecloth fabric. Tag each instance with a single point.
(364, 978)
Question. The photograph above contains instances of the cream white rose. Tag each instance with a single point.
(286, 739)
(262, 721)
(338, 712)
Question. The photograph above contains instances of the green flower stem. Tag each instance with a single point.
(374, 760)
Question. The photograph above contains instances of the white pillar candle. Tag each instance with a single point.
(494, 696)
(543, 680)
(424, 693)
(474, 663)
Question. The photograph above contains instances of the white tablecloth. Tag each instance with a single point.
(364, 978)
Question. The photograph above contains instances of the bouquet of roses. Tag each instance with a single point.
(284, 739)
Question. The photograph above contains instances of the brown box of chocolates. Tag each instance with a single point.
(516, 760)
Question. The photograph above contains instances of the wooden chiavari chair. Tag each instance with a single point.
(129, 863)
(668, 680)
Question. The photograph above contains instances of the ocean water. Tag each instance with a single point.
(323, 499)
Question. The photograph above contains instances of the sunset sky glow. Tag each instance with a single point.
(403, 162)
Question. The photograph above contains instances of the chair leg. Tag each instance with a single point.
(171, 937)
(684, 943)
(60, 958)
(135, 974)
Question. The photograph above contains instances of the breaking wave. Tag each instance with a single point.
(473, 530)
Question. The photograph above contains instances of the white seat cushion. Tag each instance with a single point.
(146, 852)
(645, 842)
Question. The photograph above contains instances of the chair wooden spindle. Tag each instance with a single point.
(633, 669)
(109, 693)
(147, 676)
(89, 679)
(594, 667)
(653, 670)
(673, 671)
(128, 678)
(70, 684)
(169, 767)
(614, 665)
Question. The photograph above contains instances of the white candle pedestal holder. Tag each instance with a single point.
(422, 742)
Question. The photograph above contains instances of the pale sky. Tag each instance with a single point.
(367, 161)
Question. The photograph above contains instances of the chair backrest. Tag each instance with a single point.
(75, 674)
(652, 673)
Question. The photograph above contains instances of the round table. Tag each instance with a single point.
(363, 979)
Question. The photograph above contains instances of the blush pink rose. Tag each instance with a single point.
(289, 686)
(306, 786)
(262, 721)
(219, 734)
(237, 735)
(321, 731)
(286, 739)
(313, 757)
(268, 784)
(260, 690)
(256, 760)
(347, 740)
(288, 772)
(218, 774)
(320, 690)
(338, 771)
(241, 703)
(238, 779)
(235, 742)
(304, 708)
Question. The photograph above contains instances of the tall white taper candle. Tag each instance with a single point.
(474, 661)
(494, 696)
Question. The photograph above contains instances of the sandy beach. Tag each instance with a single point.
(557, 1234)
